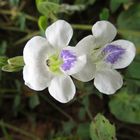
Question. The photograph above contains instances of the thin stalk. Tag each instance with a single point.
(11, 12)
(82, 26)
(89, 113)
(124, 136)
(132, 78)
(129, 128)
(28, 36)
(8, 90)
(14, 29)
(120, 31)
(57, 108)
(19, 130)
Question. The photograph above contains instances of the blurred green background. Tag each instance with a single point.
(30, 115)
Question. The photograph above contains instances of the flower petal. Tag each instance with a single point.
(86, 45)
(87, 73)
(35, 73)
(36, 77)
(59, 34)
(37, 50)
(125, 58)
(62, 89)
(104, 32)
(108, 81)
(78, 60)
(78, 65)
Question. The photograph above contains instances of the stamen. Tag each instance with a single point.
(113, 53)
(69, 58)
(54, 63)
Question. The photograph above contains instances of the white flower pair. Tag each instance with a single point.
(49, 61)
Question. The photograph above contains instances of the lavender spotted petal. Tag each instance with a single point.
(113, 53)
(69, 58)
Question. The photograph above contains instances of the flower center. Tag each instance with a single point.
(112, 53)
(69, 58)
(65, 60)
(54, 63)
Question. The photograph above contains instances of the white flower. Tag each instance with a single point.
(107, 56)
(49, 62)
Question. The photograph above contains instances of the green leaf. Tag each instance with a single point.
(67, 138)
(114, 5)
(126, 107)
(85, 2)
(21, 21)
(133, 71)
(11, 68)
(42, 23)
(34, 101)
(129, 24)
(102, 129)
(68, 127)
(3, 46)
(17, 101)
(83, 131)
(46, 8)
(5, 132)
(14, 2)
(3, 61)
(39, 1)
(104, 15)
(69, 9)
(16, 61)
(82, 113)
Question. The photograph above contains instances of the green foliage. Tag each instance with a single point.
(115, 4)
(18, 24)
(104, 15)
(126, 107)
(11, 68)
(15, 64)
(83, 131)
(67, 138)
(14, 2)
(129, 22)
(47, 8)
(3, 47)
(68, 127)
(82, 113)
(16, 61)
(102, 129)
(34, 101)
(42, 23)
(17, 98)
(5, 132)
(70, 9)
(85, 2)
(21, 21)
(3, 61)
(133, 71)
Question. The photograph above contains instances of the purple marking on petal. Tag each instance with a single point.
(69, 59)
(113, 53)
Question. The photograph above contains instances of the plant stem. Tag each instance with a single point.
(120, 31)
(82, 26)
(132, 78)
(89, 113)
(28, 36)
(57, 108)
(14, 29)
(19, 130)
(124, 136)
(8, 90)
(11, 12)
